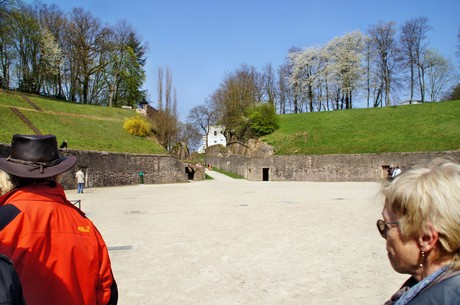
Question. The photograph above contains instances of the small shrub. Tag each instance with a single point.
(260, 120)
(137, 126)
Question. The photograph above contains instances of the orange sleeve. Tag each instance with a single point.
(106, 290)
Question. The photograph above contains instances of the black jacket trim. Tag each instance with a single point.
(8, 213)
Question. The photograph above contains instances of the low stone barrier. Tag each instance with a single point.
(115, 169)
(351, 167)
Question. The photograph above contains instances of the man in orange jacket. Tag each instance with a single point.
(59, 254)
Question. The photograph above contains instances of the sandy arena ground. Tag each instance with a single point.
(227, 241)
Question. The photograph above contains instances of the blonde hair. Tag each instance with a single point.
(429, 195)
(9, 182)
(5, 183)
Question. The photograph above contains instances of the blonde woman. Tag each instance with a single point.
(421, 226)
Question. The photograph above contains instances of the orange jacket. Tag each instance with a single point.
(59, 254)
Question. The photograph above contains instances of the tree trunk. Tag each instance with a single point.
(295, 98)
(412, 83)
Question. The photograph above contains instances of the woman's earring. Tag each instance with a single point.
(422, 258)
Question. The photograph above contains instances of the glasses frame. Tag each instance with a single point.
(383, 226)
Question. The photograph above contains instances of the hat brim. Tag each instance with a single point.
(24, 171)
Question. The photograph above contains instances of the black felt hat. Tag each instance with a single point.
(35, 156)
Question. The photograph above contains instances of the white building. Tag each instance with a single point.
(215, 136)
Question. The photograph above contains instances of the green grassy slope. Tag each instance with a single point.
(84, 127)
(425, 127)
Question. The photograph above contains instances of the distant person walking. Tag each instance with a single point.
(80, 180)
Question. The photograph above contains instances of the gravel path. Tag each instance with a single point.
(227, 241)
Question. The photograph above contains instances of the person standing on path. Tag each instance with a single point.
(59, 254)
(80, 180)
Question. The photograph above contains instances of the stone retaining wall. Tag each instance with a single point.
(115, 169)
(352, 167)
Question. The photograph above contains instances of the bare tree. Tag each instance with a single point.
(458, 45)
(7, 52)
(440, 74)
(165, 120)
(174, 106)
(384, 45)
(413, 45)
(268, 83)
(168, 88)
(238, 91)
(202, 116)
(160, 88)
(26, 40)
(189, 134)
(89, 40)
(284, 92)
(373, 82)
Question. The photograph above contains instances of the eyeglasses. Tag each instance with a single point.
(383, 226)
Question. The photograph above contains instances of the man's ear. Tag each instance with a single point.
(428, 239)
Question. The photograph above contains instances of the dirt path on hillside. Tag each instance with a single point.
(64, 113)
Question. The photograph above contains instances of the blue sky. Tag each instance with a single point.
(203, 40)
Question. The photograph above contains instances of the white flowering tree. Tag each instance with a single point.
(304, 74)
(50, 58)
(329, 74)
(345, 66)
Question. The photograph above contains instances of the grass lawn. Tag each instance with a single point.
(426, 127)
(85, 127)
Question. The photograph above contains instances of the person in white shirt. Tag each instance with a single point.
(396, 171)
(80, 180)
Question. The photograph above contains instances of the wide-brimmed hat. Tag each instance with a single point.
(35, 156)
